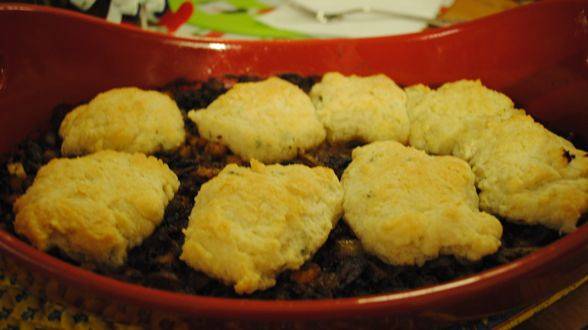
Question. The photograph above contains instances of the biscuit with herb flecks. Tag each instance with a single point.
(407, 207)
(250, 224)
(271, 121)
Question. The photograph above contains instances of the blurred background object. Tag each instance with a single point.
(285, 19)
(353, 18)
(472, 9)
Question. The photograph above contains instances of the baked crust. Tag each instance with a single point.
(407, 207)
(361, 108)
(524, 172)
(271, 121)
(95, 208)
(527, 174)
(123, 119)
(249, 224)
(440, 119)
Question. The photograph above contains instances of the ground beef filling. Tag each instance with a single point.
(339, 269)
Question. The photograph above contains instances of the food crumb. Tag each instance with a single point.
(16, 169)
(307, 275)
(207, 172)
(216, 150)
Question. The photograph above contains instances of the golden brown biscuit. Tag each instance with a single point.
(271, 120)
(442, 118)
(249, 224)
(123, 119)
(95, 208)
(527, 174)
(361, 108)
(407, 207)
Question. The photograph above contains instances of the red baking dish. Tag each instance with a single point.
(537, 54)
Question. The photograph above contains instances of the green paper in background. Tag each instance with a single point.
(239, 22)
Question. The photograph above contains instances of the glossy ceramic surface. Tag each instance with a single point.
(536, 54)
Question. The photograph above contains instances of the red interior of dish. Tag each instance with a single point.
(537, 54)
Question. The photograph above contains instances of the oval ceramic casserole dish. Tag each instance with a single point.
(536, 54)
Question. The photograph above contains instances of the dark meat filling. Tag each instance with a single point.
(339, 269)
